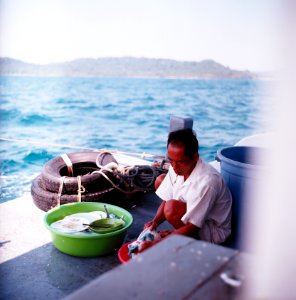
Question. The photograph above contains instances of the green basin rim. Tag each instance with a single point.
(77, 235)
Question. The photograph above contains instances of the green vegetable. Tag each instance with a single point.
(106, 225)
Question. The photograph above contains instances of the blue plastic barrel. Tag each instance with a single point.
(241, 168)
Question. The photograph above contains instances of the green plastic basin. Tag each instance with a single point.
(79, 244)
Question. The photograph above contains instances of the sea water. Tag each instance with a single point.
(125, 114)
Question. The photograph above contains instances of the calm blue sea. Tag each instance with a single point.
(116, 113)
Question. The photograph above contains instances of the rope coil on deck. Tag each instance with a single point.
(137, 177)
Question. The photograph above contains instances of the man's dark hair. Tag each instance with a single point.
(187, 138)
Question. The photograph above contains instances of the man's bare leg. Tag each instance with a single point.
(174, 210)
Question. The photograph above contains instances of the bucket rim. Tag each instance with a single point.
(221, 158)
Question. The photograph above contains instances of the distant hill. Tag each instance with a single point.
(125, 67)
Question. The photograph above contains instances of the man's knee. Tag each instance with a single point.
(174, 209)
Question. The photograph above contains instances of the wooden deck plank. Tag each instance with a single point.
(172, 269)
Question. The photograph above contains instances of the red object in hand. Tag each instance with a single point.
(123, 253)
(123, 250)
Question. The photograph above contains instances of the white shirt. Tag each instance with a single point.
(207, 197)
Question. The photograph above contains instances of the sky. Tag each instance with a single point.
(241, 34)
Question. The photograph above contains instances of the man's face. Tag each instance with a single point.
(182, 164)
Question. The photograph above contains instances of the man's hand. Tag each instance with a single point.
(152, 225)
(158, 219)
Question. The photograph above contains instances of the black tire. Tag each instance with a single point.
(84, 163)
(45, 200)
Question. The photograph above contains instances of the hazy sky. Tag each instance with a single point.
(240, 34)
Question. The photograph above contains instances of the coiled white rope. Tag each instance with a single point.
(110, 167)
(109, 180)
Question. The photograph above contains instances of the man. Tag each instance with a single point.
(195, 199)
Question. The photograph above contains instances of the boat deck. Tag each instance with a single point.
(177, 268)
(32, 268)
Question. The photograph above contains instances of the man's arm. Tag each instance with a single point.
(188, 230)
